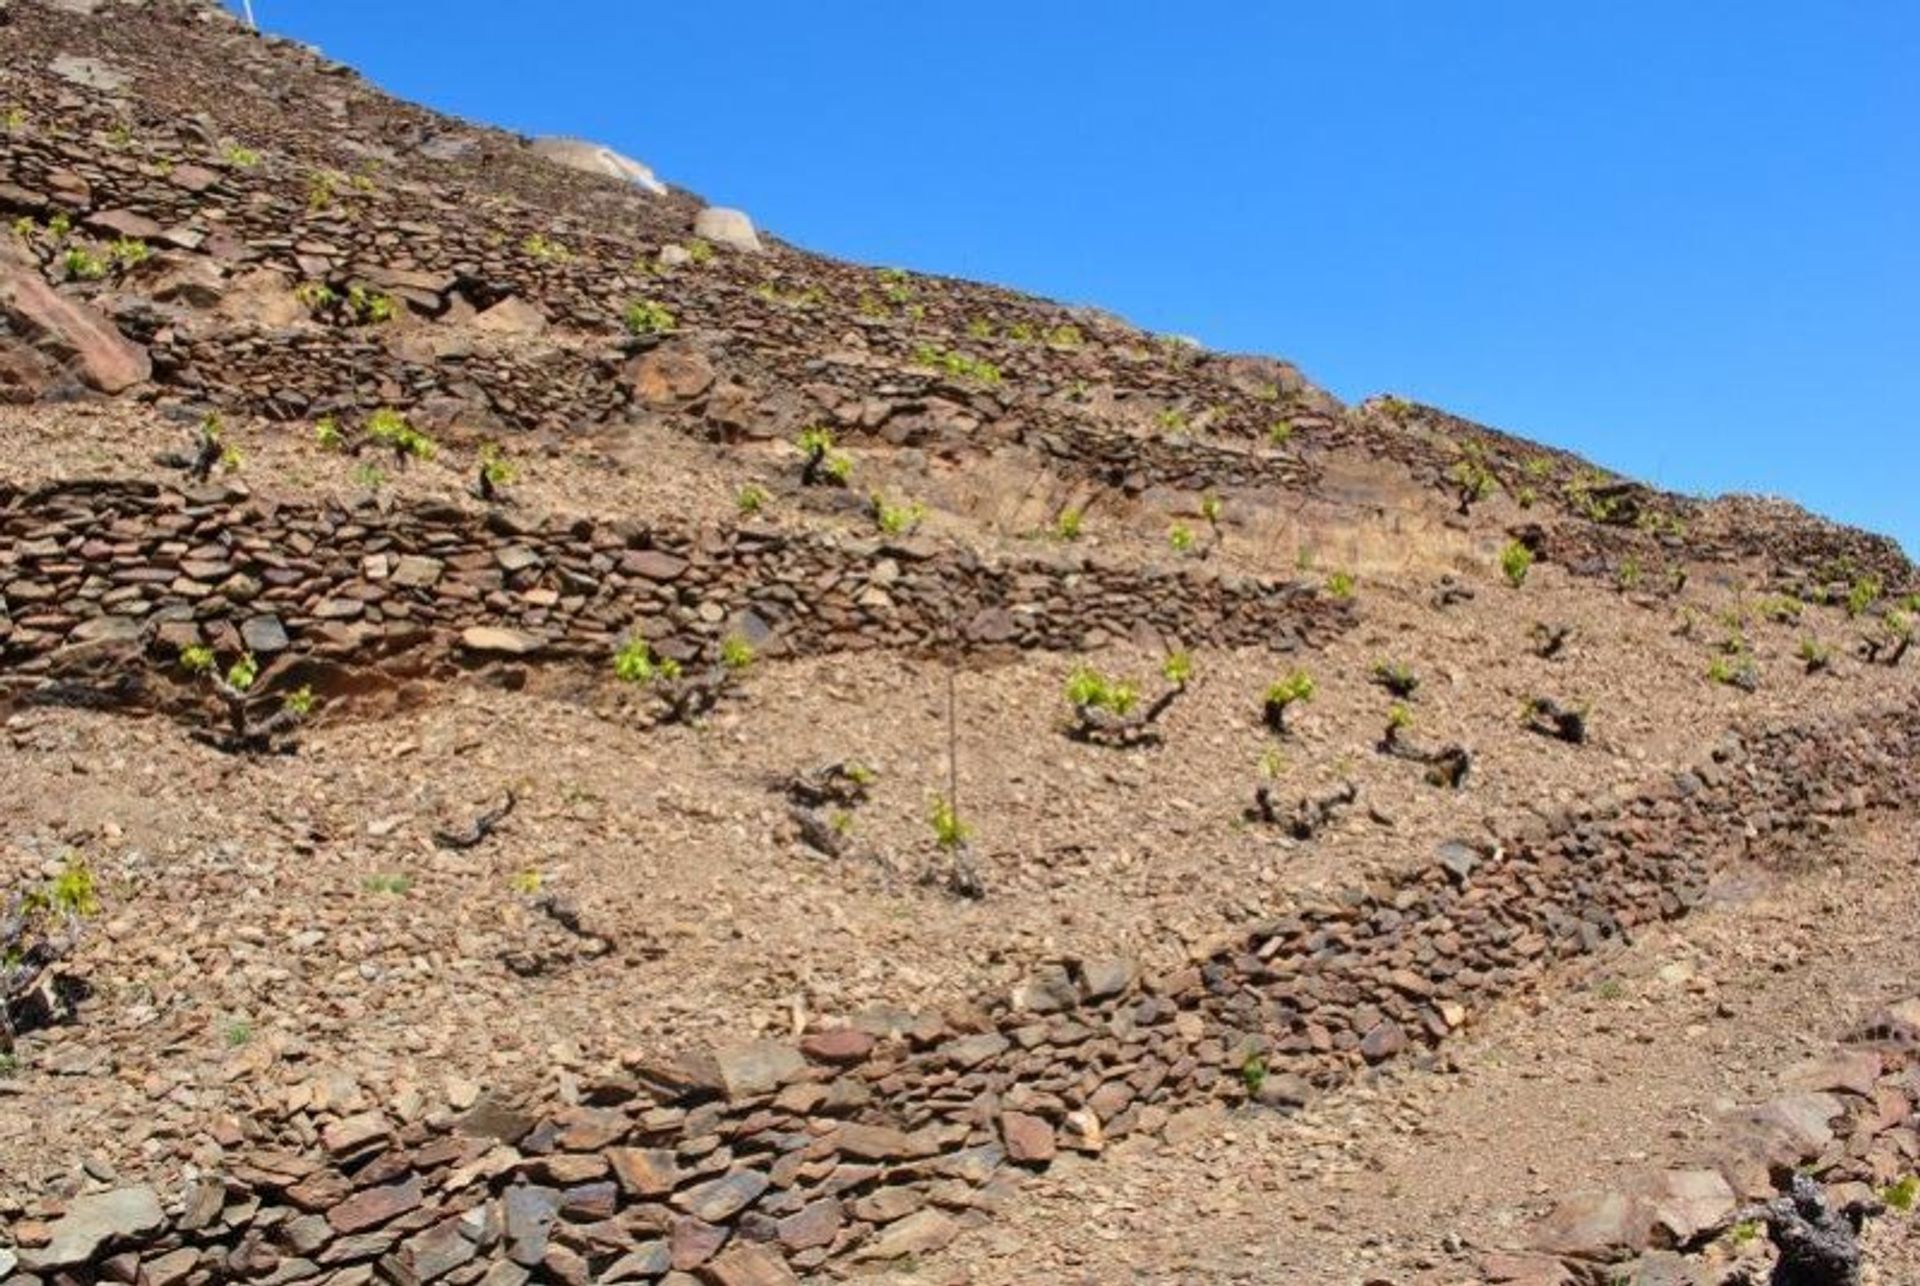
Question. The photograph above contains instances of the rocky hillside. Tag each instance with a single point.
(552, 736)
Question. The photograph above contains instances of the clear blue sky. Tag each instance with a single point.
(1679, 236)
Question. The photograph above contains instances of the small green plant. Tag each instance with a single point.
(26, 229)
(1212, 508)
(1862, 594)
(1172, 422)
(700, 250)
(750, 499)
(979, 328)
(1744, 1233)
(1783, 609)
(1396, 678)
(1516, 560)
(1253, 1074)
(1815, 655)
(14, 120)
(368, 306)
(1399, 717)
(9, 1065)
(128, 252)
(321, 188)
(84, 265)
(1627, 578)
(1021, 333)
(1088, 689)
(735, 652)
(1280, 432)
(1272, 763)
(957, 365)
(949, 831)
(1283, 693)
(390, 882)
(236, 1032)
(1066, 335)
(241, 158)
(59, 226)
(1068, 525)
(1472, 481)
(1340, 585)
(1902, 1195)
(526, 883)
(196, 658)
(544, 250)
(300, 702)
(822, 462)
(389, 428)
(636, 663)
(896, 520)
(1180, 538)
(1610, 989)
(645, 317)
(315, 296)
(1735, 670)
(369, 475)
(495, 468)
(895, 285)
(72, 891)
(243, 673)
(1177, 669)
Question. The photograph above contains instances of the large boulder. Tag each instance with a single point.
(726, 227)
(63, 332)
(597, 158)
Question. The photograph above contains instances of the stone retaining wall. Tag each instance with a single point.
(134, 562)
(889, 1135)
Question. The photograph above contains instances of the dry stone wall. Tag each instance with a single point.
(891, 1134)
(139, 563)
(239, 206)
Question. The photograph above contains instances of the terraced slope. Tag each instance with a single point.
(348, 447)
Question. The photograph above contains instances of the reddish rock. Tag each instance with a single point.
(1028, 1139)
(669, 375)
(645, 1172)
(654, 564)
(71, 333)
(816, 1224)
(841, 1045)
(692, 1242)
(374, 1206)
(1384, 1041)
(749, 1266)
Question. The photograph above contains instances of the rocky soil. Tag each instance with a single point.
(347, 447)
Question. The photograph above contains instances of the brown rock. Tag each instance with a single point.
(1028, 1139)
(1384, 1041)
(749, 1266)
(645, 1172)
(491, 640)
(670, 375)
(816, 1224)
(355, 1133)
(374, 1206)
(1602, 1226)
(512, 316)
(71, 333)
(841, 1045)
(918, 1234)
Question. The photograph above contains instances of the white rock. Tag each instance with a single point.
(597, 158)
(726, 227)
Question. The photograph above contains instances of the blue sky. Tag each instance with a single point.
(1681, 238)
